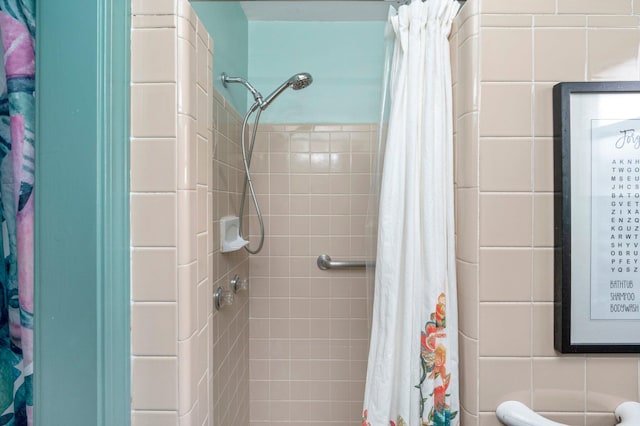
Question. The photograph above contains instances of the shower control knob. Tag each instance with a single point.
(222, 298)
(239, 284)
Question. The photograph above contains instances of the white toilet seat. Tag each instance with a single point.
(514, 413)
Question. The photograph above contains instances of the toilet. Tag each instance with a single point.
(514, 413)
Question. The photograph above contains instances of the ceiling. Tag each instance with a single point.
(310, 10)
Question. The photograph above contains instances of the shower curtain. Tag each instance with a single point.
(17, 133)
(412, 374)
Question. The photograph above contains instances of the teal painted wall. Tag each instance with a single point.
(228, 27)
(66, 293)
(81, 226)
(345, 58)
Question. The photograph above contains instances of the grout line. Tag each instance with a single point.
(476, 132)
(532, 163)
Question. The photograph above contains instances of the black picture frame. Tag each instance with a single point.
(581, 110)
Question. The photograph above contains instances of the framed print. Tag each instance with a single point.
(597, 217)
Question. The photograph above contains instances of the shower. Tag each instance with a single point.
(296, 82)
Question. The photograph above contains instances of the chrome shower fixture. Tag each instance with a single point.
(226, 79)
(296, 82)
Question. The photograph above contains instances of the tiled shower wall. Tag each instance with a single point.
(190, 363)
(308, 328)
(507, 56)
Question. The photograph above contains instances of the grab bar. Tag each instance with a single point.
(325, 262)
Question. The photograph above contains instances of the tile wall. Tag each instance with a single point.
(308, 328)
(190, 363)
(507, 57)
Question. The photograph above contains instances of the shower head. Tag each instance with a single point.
(300, 81)
(296, 82)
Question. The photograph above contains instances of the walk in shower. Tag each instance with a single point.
(310, 162)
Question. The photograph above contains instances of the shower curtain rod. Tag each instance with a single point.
(401, 2)
(365, 1)
(398, 2)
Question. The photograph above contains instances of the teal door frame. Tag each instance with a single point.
(82, 349)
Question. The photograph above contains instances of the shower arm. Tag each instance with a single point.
(256, 95)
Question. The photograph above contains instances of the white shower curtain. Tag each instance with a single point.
(412, 375)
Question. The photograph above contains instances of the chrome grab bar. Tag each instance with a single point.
(325, 262)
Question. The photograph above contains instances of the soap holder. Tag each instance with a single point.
(230, 239)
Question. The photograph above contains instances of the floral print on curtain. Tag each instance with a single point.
(17, 167)
(433, 361)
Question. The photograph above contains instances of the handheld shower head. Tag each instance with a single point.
(296, 82)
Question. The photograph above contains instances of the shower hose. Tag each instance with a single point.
(246, 160)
